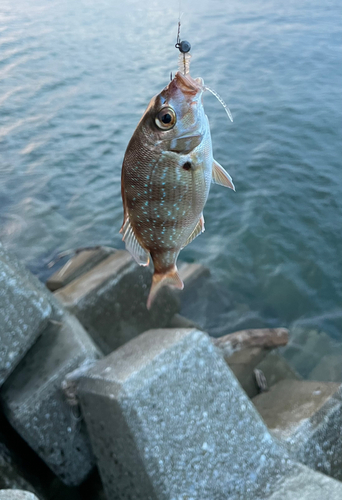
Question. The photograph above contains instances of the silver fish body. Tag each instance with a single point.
(166, 175)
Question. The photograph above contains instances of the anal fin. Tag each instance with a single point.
(198, 230)
(220, 176)
(133, 246)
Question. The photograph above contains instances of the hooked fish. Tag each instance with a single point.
(166, 175)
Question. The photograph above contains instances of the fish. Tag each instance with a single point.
(167, 171)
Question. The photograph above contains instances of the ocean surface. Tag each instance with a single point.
(75, 77)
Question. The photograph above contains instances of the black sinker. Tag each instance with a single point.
(166, 118)
(187, 165)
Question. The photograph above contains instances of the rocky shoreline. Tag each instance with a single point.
(102, 399)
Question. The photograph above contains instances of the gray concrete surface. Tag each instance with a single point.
(306, 417)
(304, 484)
(17, 495)
(77, 265)
(192, 274)
(242, 364)
(35, 405)
(178, 321)
(306, 349)
(275, 368)
(110, 301)
(26, 275)
(328, 369)
(168, 420)
(24, 313)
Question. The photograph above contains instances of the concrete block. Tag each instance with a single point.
(27, 276)
(92, 488)
(266, 338)
(304, 484)
(10, 475)
(328, 369)
(306, 348)
(243, 363)
(168, 420)
(110, 301)
(178, 321)
(244, 350)
(24, 313)
(79, 264)
(192, 274)
(307, 418)
(275, 368)
(35, 405)
(202, 299)
(193, 297)
(17, 495)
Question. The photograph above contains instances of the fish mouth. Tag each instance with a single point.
(187, 84)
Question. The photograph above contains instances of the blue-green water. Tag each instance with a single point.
(75, 77)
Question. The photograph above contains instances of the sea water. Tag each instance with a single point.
(75, 77)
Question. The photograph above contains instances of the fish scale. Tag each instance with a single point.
(166, 175)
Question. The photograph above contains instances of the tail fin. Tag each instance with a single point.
(159, 280)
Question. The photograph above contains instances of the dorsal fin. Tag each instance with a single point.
(133, 246)
(198, 230)
(220, 176)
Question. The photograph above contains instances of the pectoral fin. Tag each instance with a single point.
(198, 230)
(220, 176)
(133, 246)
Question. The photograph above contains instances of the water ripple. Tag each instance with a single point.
(74, 82)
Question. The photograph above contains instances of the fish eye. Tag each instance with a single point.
(166, 118)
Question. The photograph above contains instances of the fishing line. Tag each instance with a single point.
(179, 19)
(219, 98)
(184, 64)
(184, 48)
